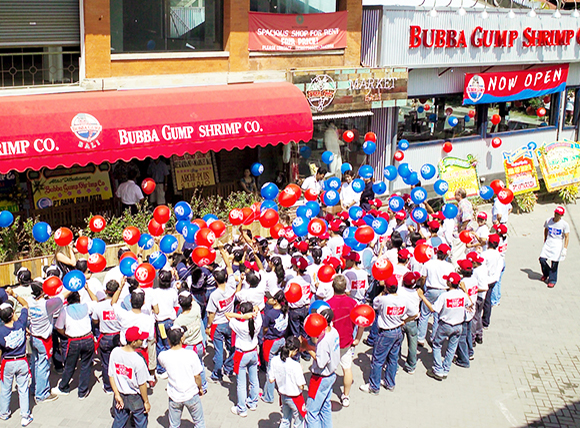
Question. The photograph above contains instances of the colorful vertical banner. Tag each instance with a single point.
(459, 173)
(559, 163)
(520, 171)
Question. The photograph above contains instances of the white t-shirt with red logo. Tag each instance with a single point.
(129, 319)
(304, 282)
(494, 263)
(335, 244)
(392, 309)
(104, 313)
(222, 301)
(413, 299)
(399, 271)
(480, 274)
(357, 283)
(128, 369)
(502, 247)
(434, 271)
(451, 306)
(472, 286)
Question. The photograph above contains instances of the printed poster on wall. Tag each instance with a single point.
(191, 171)
(459, 173)
(520, 171)
(271, 32)
(559, 163)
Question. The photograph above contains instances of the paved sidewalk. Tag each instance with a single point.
(527, 372)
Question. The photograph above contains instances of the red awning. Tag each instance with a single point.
(92, 127)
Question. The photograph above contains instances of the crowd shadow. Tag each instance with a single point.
(532, 274)
(568, 416)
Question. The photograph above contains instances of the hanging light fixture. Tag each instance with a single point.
(433, 12)
(575, 14)
(511, 14)
(532, 13)
(484, 14)
(557, 14)
(461, 11)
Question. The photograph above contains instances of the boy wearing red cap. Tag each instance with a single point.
(357, 278)
(501, 230)
(299, 310)
(481, 234)
(494, 264)
(470, 286)
(556, 238)
(400, 269)
(335, 243)
(480, 275)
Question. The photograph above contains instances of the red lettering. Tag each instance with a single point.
(109, 316)
(475, 41)
(578, 36)
(461, 43)
(513, 35)
(123, 370)
(439, 38)
(500, 38)
(451, 42)
(487, 38)
(531, 38)
(395, 310)
(459, 302)
(415, 37)
(425, 43)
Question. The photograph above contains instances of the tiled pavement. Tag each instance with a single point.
(527, 373)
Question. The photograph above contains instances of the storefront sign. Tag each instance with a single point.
(520, 171)
(330, 91)
(459, 173)
(560, 164)
(487, 88)
(192, 171)
(71, 189)
(274, 32)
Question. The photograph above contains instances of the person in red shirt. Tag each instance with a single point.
(342, 305)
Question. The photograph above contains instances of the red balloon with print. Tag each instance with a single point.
(148, 186)
(371, 136)
(541, 112)
(427, 107)
(496, 142)
(269, 218)
(277, 230)
(447, 147)
(52, 286)
(465, 237)
(497, 185)
(364, 234)
(362, 315)
(382, 269)
(316, 227)
(471, 113)
(505, 196)
(348, 136)
(97, 223)
(293, 293)
(155, 228)
(423, 253)
(287, 197)
(496, 119)
(63, 236)
(200, 223)
(218, 227)
(236, 217)
(399, 156)
(311, 195)
(126, 254)
(205, 237)
(315, 324)
(145, 273)
(296, 188)
(326, 273)
(96, 263)
(248, 216)
(131, 235)
(82, 244)
(203, 256)
(289, 234)
(162, 214)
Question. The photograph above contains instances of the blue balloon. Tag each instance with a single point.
(450, 210)
(366, 171)
(379, 187)
(348, 233)
(419, 215)
(317, 306)
(6, 219)
(390, 172)
(332, 183)
(327, 157)
(179, 226)
(257, 169)
(355, 212)
(452, 121)
(433, 117)
(355, 245)
(146, 241)
(210, 218)
(466, 118)
(314, 207)
(403, 145)
(304, 211)
(396, 203)
(128, 266)
(428, 171)
(74, 280)
(486, 192)
(97, 245)
(168, 244)
(357, 185)
(420, 109)
(158, 260)
(411, 179)
(41, 231)
(418, 195)
(300, 226)
(369, 147)
(404, 170)
(305, 152)
(380, 225)
(189, 233)
(368, 219)
(441, 187)
(182, 211)
(345, 167)
(269, 191)
(268, 204)
(331, 198)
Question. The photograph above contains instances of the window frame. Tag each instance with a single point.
(576, 113)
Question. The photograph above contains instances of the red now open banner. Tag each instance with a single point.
(310, 32)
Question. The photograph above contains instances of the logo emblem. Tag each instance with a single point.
(320, 91)
(87, 129)
(475, 88)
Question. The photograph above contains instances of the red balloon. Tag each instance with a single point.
(505, 196)
(203, 256)
(269, 218)
(236, 217)
(382, 269)
(315, 324)
(155, 228)
(541, 112)
(326, 273)
(148, 186)
(423, 253)
(471, 113)
(316, 227)
(277, 231)
(289, 234)
(371, 136)
(287, 197)
(82, 244)
(495, 119)
(465, 237)
(496, 142)
(200, 223)
(399, 155)
(497, 185)
(348, 136)
(97, 223)
(293, 293)
(364, 234)
(296, 188)
(145, 273)
(311, 195)
(63, 236)
(449, 111)
(427, 107)
(205, 237)
(96, 262)
(362, 315)
(131, 235)
(447, 147)
(218, 227)
(52, 286)
(126, 254)
(248, 216)
(162, 214)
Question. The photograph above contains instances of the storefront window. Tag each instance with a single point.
(426, 119)
(523, 114)
(572, 107)
(166, 25)
(293, 6)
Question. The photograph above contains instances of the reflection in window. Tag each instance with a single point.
(426, 119)
(166, 25)
(522, 114)
(571, 107)
(293, 6)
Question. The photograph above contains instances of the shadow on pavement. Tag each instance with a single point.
(531, 274)
(567, 417)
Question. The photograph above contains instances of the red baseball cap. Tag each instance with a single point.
(500, 228)
(332, 261)
(444, 248)
(301, 245)
(355, 257)
(406, 197)
(134, 333)
(400, 215)
(494, 237)
(421, 241)
(482, 215)
(328, 217)
(374, 212)
(300, 262)
(438, 215)
(465, 264)
(434, 224)
(410, 278)
(359, 222)
(324, 236)
(453, 277)
(335, 224)
(474, 257)
(343, 215)
(560, 210)
(251, 265)
(378, 203)
(391, 281)
(404, 253)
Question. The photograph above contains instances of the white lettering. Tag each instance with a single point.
(512, 82)
(539, 75)
(558, 75)
(528, 80)
(502, 83)
(492, 83)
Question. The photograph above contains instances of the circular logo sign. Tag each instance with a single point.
(475, 88)
(320, 91)
(86, 127)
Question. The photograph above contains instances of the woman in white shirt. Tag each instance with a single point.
(348, 197)
(246, 326)
(164, 304)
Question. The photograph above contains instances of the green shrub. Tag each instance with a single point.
(569, 194)
(526, 201)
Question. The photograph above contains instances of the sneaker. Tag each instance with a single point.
(253, 409)
(4, 417)
(551, 285)
(479, 340)
(267, 402)
(214, 379)
(56, 390)
(345, 400)
(82, 397)
(471, 357)
(420, 344)
(384, 385)
(409, 371)
(163, 375)
(434, 375)
(26, 421)
(543, 278)
(107, 391)
(51, 397)
(368, 343)
(367, 388)
(234, 410)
